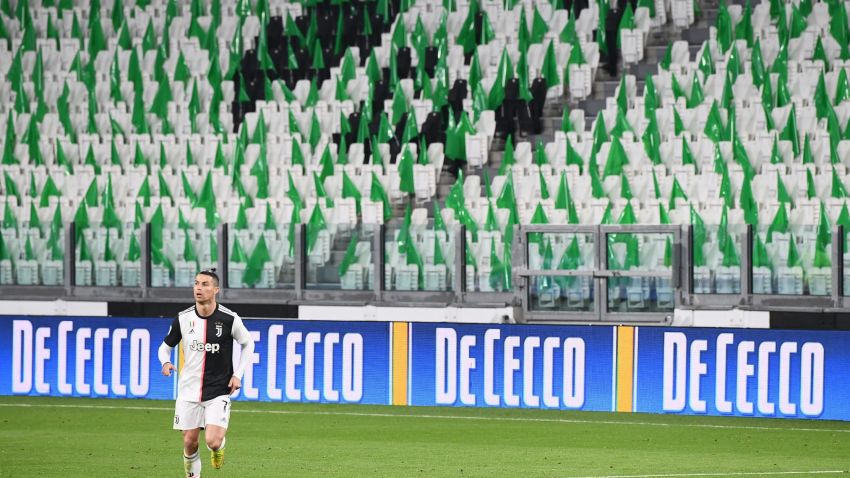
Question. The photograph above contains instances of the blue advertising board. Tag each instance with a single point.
(740, 372)
(82, 357)
(294, 361)
(557, 367)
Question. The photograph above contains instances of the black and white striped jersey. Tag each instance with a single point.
(207, 344)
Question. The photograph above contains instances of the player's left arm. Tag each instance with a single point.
(243, 338)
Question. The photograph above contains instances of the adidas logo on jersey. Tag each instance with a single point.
(202, 347)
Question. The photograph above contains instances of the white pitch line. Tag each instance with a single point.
(456, 417)
(752, 473)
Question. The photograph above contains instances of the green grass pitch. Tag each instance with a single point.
(92, 438)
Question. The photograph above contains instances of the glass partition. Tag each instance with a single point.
(488, 261)
(786, 260)
(107, 257)
(716, 257)
(32, 255)
(179, 251)
(793, 261)
(636, 252)
(561, 252)
(341, 258)
(262, 255)
(846, 263)
(419, 256)
(129, 258)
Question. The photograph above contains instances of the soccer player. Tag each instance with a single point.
(207, 331)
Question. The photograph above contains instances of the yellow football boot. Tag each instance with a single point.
(217, 458)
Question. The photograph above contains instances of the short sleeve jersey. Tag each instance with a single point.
(207, 344)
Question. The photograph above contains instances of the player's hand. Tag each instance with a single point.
(167, 368)
(234, 384)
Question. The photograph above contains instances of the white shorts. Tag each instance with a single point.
(192, 415)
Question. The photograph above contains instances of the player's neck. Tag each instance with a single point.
(205, 309)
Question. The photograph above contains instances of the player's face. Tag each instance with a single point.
(205, 289)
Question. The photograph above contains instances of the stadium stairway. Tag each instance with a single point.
(605, 85)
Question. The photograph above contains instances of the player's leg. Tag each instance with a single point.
(190, 441)
(214, 436)
(217, 417)
(191, 457)
(189, 418)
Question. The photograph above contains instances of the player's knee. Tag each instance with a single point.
(190, 443)
(213, 442)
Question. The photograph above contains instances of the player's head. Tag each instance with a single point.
(206, 286)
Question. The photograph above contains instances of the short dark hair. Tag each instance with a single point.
(210, 272)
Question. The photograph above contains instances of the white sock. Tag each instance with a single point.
(192, 464)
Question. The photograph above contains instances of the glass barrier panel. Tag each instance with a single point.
(846, 262)
(261, 256)
(343, 260)
(561, 294)
(32, 255)
(793, 260)
(716, 257)
(488, 262)
(564, 252)
(108, 257)
(129, 258)
(419, 256)
(650, 252)
(179, 251)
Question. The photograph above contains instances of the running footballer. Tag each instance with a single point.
(206, 332)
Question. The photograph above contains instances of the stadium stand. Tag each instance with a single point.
(450, 147)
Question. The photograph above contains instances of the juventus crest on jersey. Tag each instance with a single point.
(207, 344)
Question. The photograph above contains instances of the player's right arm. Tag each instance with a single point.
(171, 340)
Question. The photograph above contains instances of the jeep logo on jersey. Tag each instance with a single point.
(202, 347)
(218, 326)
